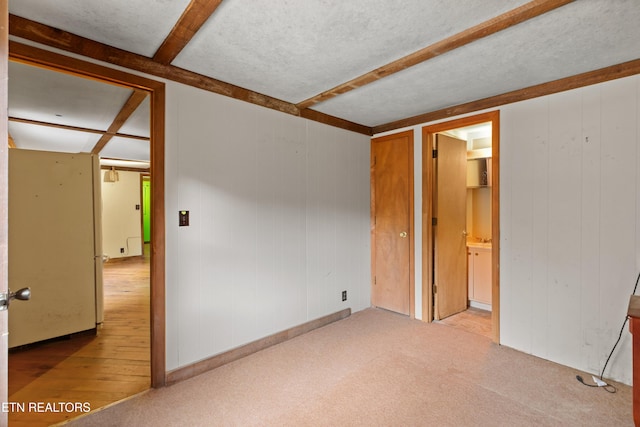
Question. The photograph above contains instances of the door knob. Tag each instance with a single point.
(403, 234)
(23, 294)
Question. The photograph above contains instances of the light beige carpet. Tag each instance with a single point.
(377, 368)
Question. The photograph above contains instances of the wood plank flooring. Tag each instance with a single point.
(471, 320)
(97, 369)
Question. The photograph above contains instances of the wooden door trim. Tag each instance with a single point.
(428, 133)
(409, 135)
(42, 58)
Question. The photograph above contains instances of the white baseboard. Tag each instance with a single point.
(480, 305)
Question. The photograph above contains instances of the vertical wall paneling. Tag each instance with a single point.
(195, 125)
(526, 138)
(541, 185)
(570, 224)
(321, 221)
(590, 316)
(619, 168)
(279, 214)
(506, 225)
(173, 202)
(564, 228)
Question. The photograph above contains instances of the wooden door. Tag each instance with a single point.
(450, 243)
(392, 215)
(53, 248)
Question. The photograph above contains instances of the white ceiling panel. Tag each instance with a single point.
(48, 96)
(46, 138)
(580, 37)
(138, 26)
(127, 149)
(295, 50)
(139, 123)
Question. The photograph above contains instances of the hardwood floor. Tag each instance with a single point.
(472, 320)
(96, 369)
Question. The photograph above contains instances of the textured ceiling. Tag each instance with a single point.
(567, 41)
(294, 51)
(58, 99)
(138, 26)
(48, 96)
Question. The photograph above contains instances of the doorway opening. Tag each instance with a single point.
(155, 261)
(461, 232)
(145, 196)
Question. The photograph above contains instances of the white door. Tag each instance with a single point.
(53, 246)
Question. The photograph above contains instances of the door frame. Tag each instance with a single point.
(4, 203)
(46, 59)
(409, 135)
(428, 133)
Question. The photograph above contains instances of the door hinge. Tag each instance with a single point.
(434, 154)
(435, 289)
(375, 280)
(434, 221)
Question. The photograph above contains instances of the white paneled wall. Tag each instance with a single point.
(570, 224)
(279, 213)
(121, 222)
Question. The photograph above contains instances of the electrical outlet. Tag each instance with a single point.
(344, 295)
(121, 250)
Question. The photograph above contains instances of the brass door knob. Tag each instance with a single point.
(403, 234)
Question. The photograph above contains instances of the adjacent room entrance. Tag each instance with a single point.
(156, 90)
(447, 281)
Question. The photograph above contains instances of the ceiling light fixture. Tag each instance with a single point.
(111, 175)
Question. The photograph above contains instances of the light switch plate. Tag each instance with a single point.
(183, 218)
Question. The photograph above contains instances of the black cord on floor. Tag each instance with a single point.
(608, 387)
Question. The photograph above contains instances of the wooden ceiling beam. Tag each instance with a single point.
(126, 169)
(126, 111)
(193, 17)
(59, 39)
(508, 19)
(613, 72)
(75, 128)
(335, 121)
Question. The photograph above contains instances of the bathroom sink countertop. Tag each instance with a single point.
(476, 242)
